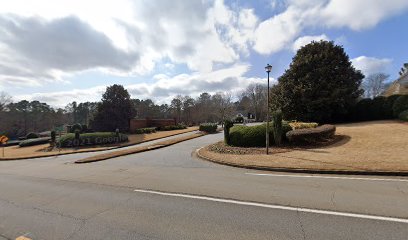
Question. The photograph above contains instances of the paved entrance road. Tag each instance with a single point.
(181, 197)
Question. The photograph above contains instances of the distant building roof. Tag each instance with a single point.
(399, 86)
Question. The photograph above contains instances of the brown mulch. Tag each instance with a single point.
(221, 147)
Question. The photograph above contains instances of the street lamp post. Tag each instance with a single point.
(268, 69)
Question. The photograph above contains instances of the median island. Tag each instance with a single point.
(376, 147)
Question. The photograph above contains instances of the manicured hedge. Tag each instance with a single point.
(12, 143)
(32, 135)
(400, 105)
(311, 135)
(34, 141)
(379, 108)
(145, 130)
(208, 127)
(88, 139)
(403, 116)
(254, 136)
(171, 127)
(302, 125)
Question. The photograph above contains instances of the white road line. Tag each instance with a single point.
(279, 207)
(329, 177)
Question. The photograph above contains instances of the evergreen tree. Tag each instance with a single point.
(320, 85)
(114, 111)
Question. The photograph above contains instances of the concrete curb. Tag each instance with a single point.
(88, 151)
(158, 145)
(299, 170)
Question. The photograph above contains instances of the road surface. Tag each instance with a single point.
(171, 194)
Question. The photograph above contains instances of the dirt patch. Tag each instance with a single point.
(370, 147)
(16, 152)
(134, 150)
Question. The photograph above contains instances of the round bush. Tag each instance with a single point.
(75, 127)
(400, 105)
(32, 135)
(403, 116)
(254, 136)
(208, 127)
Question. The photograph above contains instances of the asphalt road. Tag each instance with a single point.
(171, 194)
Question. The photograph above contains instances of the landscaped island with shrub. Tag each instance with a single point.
(88, 139)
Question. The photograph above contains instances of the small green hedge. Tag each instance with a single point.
(403, 116)
(400, 105)
(171, 127)
(34, 141)
(12, 143)
(254, 136)
(145, 130)
(311, 135)
(32, 135)
(88, 139)
(208, 127)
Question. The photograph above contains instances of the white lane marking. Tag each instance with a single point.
(279, 207)
(329, 177)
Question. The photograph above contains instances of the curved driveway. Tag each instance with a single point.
(171, 194)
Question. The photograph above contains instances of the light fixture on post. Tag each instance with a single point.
(268, 69)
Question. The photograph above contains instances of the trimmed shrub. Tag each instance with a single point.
(302, 125)
(11, 143)
(171, 127)
(400, 105)
(277, 127)
(32, 135)
(227, 126)
(34, 141)
(254, 136)
(53, 137)
(145, 130)
(208, 127)
(75, 127)
(239, 119)
(311, 135)
(403, 116)
(88, 139)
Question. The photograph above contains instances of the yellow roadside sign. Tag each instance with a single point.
(3, 139)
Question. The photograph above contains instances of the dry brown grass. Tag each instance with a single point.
(368, 146)
(16, 152)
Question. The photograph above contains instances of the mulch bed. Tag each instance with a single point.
(221, 147)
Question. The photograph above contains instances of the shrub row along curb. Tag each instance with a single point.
(202, 155)
(158, 145)
(87, 151)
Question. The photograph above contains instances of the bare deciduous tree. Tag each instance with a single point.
(374, 84)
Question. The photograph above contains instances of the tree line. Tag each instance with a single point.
(22, 117)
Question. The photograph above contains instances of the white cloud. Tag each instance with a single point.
(279, 31)
(371, 65)
(164, 88)
(361, 14)
(120, 37)
(302, 41)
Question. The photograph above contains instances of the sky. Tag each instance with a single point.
(71, 50)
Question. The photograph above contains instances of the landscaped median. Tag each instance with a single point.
(378, 147)
(134, 150)
(17, 153)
